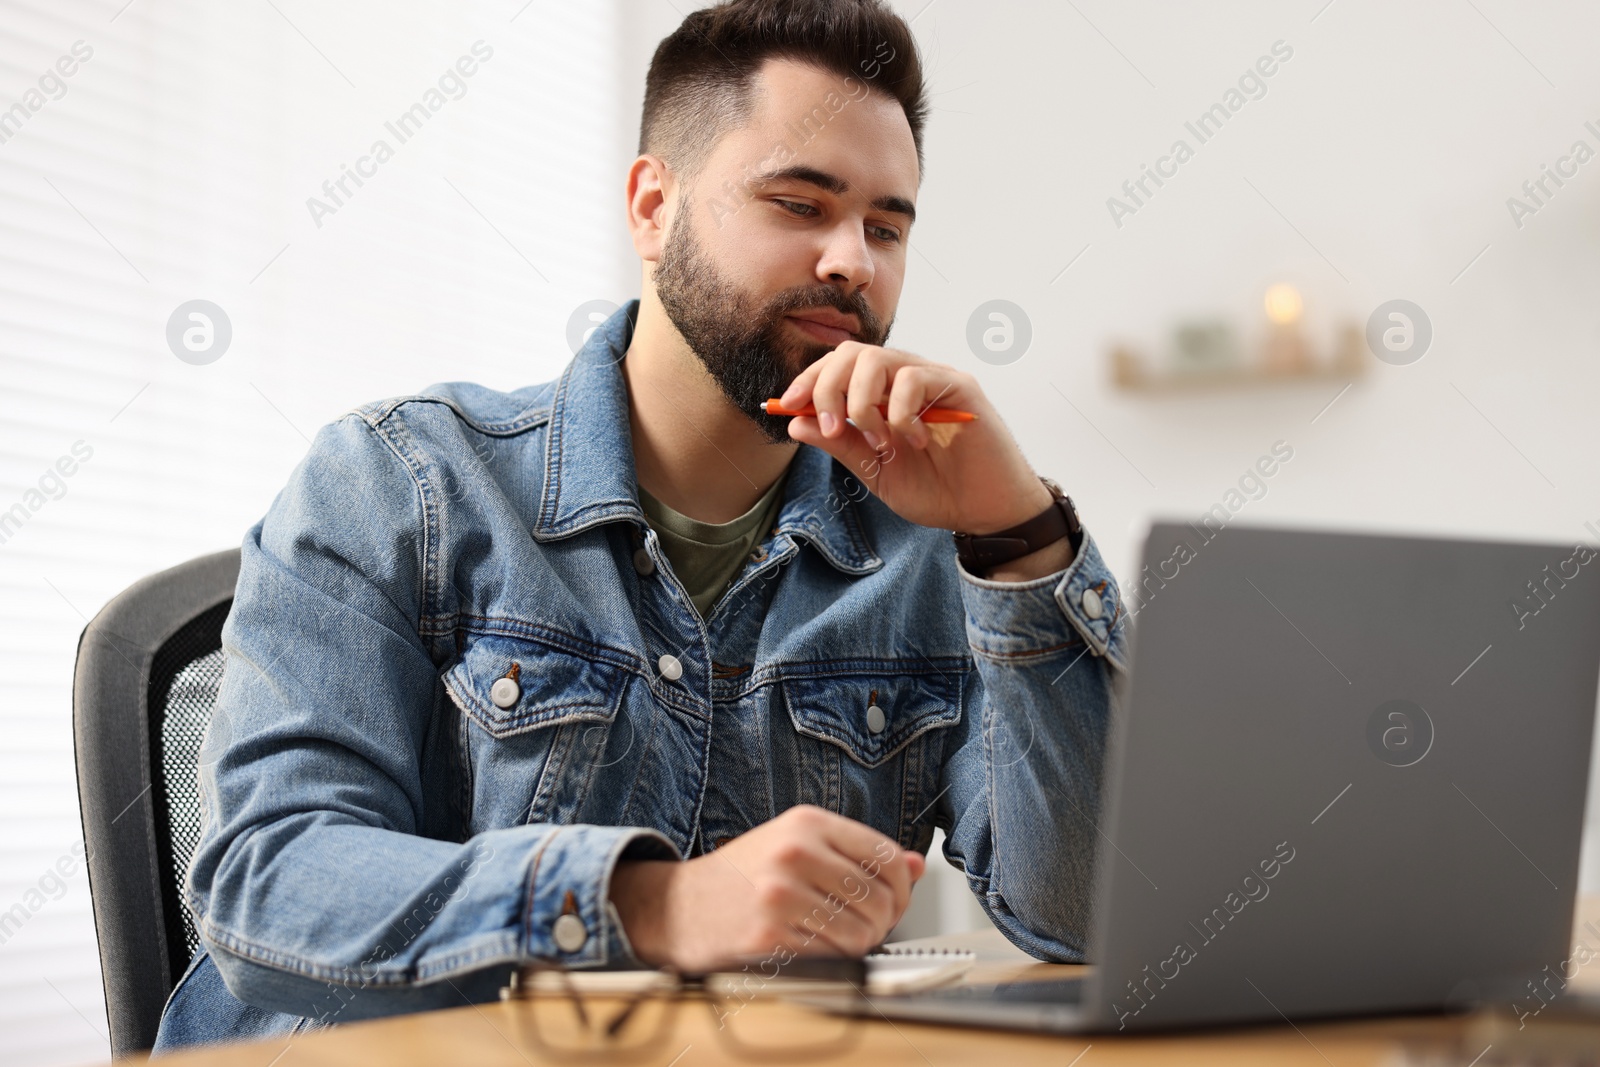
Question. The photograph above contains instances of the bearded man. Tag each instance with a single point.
(619, 670)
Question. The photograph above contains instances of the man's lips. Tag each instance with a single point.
(822, 331)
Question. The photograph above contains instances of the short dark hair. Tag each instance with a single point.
(700, 82)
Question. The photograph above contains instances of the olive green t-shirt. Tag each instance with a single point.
(707, 556)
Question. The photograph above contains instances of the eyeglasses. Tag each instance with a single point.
(615, 1016)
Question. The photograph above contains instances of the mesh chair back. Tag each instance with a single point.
(148, 670)
(183, 688)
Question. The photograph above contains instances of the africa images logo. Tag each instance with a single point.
(1400, 732)
(1252, 85)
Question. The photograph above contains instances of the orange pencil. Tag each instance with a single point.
(773, 407)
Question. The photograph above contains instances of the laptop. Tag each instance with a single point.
(1348, 777)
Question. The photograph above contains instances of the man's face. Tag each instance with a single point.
(792, 239)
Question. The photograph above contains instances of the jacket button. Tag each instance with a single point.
(670, 668)
(876, 720)
(1093, 606)
(504, 692)
(642, 562)
(569, 932)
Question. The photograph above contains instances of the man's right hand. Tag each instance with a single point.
(809, 881)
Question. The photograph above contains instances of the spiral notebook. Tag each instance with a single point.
(897, 969)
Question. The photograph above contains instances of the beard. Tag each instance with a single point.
(740, 340)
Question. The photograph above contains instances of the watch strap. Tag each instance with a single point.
(981, 553)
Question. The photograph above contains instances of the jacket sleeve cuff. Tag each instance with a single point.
(1010, 621)
(569, 918)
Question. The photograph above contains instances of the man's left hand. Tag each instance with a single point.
(970, 477)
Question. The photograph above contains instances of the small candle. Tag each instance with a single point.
(1284, 304)
(1286, 346)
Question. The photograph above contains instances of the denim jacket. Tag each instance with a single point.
(462, 682)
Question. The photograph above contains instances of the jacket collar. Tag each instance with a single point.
(590, 477)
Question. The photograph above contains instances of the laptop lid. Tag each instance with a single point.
(1348, 777)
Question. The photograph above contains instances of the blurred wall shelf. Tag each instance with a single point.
(1206, 353)
(1132, 372)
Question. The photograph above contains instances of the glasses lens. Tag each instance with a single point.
(598, 1016)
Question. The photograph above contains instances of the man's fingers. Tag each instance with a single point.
(857, 840)
(832, 929)
(828, 391)
(895, 874)
(880, 870)
(867, 385)
(906, 401)
(878, 857)
(835, 874)
(849, 382)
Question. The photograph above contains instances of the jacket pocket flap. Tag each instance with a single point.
(549, 685)
(838, 707)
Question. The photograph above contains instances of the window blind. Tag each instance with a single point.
(194, 152)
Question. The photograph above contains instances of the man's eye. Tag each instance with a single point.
(805, 211)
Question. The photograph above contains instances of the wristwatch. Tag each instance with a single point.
(980, 554)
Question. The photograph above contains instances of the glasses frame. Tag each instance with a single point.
(801, 976)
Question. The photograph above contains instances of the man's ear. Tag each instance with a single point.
(651, 186)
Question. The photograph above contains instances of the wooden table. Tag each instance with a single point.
(491, 1035)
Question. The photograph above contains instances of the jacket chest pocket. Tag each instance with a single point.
(871, 742)
(545, 719)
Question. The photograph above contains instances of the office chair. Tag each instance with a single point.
(147, 673)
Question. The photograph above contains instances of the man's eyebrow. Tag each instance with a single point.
(834, 184)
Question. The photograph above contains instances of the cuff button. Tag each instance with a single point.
(1092, 604)
(569, 932)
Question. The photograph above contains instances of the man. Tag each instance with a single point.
(614, 670)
